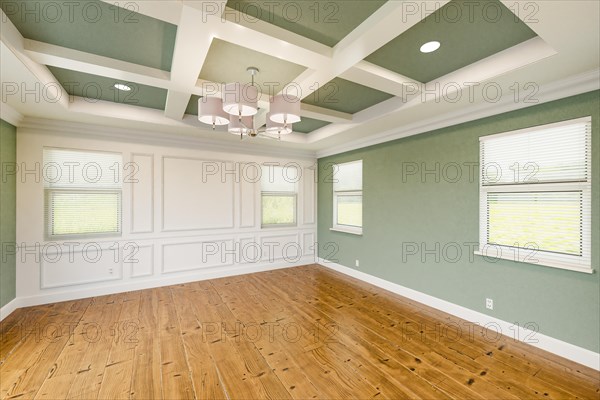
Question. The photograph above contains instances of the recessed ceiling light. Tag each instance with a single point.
(122, 87)
(430, 47)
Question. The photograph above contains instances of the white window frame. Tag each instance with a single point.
(556, 260)
(352, 229)
(293, 195)
(279, 193)
(48, 213)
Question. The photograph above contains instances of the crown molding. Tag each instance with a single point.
(10, 115)
(578, 84)
(102, 132)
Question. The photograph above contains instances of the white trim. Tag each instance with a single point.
(159, 281)
(347, 229)
(105, 132)
(556, 346)
(571, 86)
(526, 253)
(582, 120)
(9, 308)
(10, 115)
(534, 257)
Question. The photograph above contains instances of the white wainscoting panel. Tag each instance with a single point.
(140, 259)
(178, 257)
(142, 192)
(277, 247)
(191, 213)
(248, 196)
(249, 251)
(310, 198)
(87, 263)
(197, 195)
(308, 243)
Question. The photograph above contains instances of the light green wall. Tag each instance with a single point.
(8, 212)
(564, 304)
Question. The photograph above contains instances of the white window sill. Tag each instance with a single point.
(352, 231)
(537, 260)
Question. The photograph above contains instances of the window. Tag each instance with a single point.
(279, 195)
(347, 197)
(82, 193)
(535, 195)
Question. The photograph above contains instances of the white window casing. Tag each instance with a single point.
(83, 193)
(535, 195)
(347, 189)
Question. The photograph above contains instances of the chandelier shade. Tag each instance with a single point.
(285, 109)
(238, 106)
(240, 99)
(275, 128)
(210, 111)
(240, 128)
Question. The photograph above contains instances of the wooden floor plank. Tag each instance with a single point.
(357, 356)
(176, 381)
(117, 377)
(36, 357)
(204, 373)
(475, 348)
(199, 340)
(100, 336)
(146, 382)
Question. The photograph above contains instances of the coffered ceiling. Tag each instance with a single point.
(355, 63)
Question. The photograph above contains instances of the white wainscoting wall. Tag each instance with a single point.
(178, 223)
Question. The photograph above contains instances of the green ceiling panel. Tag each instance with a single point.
(227, 62)
(345, 96)
(308, 125)
(192, 107)
(326, 22)
(468, 32)
(96, 27)
(95, 88)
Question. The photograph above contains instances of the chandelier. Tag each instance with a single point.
(239, 105)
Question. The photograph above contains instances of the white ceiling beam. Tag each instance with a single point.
(14, 41)
(324, 114)
(471, 76)
(385, 24)
(384, 80)
(207, 88)
(195, 33)
(518, 56)
(176, 104)
(62, 57)
(270, 39)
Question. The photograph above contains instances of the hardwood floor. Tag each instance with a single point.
(302, 333)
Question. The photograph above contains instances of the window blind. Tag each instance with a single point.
(279, 186)
(279, 179)
(82, 192)
(535, 192)
(68, 169)
(347, 176)
(546, 221)
(554, 154)
(83, 213)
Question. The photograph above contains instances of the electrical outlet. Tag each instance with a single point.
(489, 304)
(356, 263)
(110, 271)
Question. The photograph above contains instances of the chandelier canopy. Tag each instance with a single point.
(239, 105)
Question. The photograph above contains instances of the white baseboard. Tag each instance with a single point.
(558, 347)
(158, 281)
(9, 308)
